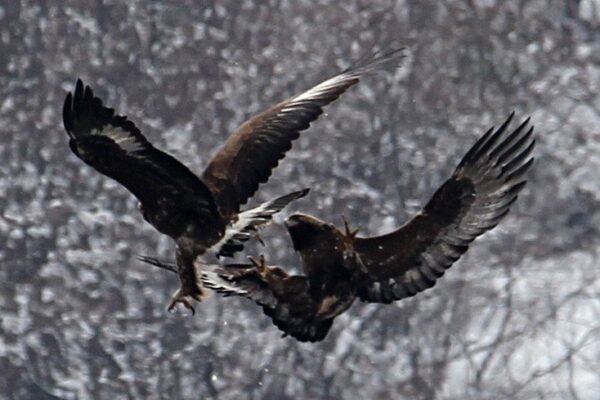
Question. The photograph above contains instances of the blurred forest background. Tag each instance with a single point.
(517, 318)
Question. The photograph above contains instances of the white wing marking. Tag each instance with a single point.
(319, 90)
(212, 280)
(121, 137)
(245, 227)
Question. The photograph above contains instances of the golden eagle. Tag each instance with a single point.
(338, 266)
(202, 214)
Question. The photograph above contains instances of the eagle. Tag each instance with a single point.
(202, 213)
(340, 266)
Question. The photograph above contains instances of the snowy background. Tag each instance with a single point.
(517, 318)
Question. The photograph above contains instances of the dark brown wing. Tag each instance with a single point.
(473, 201)
(115, 147)
(284, 298)
(248, 156)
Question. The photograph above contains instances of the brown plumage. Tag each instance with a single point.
(202, 215)
(338, 266)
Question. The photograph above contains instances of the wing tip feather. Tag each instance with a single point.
(67, 114)
(386, 56)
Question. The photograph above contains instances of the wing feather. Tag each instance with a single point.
(247, 158)
(247, 224)
(479, 194)
(284, 298)
(115, 147)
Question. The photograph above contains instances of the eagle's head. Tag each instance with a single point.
(306, 231)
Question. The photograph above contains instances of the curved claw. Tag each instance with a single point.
(260, 239)
(260, 265)
(350, 234)
(178, 298)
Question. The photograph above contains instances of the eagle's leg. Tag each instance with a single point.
(278, 281)
(268, 274)
(261, 266)
(189, 269)
(349, 253)
(178, 297)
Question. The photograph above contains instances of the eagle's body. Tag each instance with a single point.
(324, 259)
(202, 214)
(338, 266)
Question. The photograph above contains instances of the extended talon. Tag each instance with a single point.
(350, 234)
(259, 238)
(178, 298)
(260, 265)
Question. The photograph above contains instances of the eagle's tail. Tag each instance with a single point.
(248, 223)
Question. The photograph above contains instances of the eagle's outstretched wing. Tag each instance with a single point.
(476, 197)
(114, 146)
(283, 297)
(246, 159)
